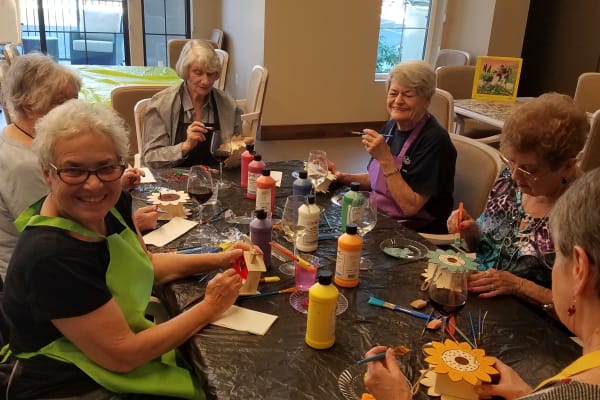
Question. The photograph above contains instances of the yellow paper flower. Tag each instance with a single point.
(460, 361)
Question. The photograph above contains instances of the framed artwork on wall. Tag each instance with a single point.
(497, 78)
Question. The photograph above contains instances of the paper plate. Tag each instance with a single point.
(337, 197)
(299, 302)
(177, 175)
(442, 239)
(402, 248)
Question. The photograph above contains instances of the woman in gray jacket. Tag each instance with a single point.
(180, 121)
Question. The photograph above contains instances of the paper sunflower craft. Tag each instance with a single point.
(452, 260)
(456, 369)
(170, 201)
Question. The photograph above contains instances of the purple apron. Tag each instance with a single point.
(379, 188)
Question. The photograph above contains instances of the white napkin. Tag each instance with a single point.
(245, 320)
(277, 175)
(169, 231)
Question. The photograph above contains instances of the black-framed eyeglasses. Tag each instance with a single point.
(77, 176)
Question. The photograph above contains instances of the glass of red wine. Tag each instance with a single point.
(448, 293)
(200, 185)
(220, 149)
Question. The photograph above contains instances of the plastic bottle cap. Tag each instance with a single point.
(261, 213)
(257, 157)
(325, 277)
(266, 172)
(355, 186)
(303, 174)
(351, 229)
(250, 147)
(311, 199)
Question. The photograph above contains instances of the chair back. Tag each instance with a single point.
(477, 168)
(10, 52)
(3, 68)
(139, 110)
(587, 92)
(456, 79)
(452, 57)
(442, 108)
(224, 59)
(590, 157)
(216, 36)
(174, 47)
(124, 99)
(253, 103)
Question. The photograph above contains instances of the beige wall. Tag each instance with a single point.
(486, 27)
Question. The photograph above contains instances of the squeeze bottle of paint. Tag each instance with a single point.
(246, 157)
(347, 263)
(322, 303)
(261, 228)
(309, 216)
(254, 171)
(265, 191)
(352, 198)
(302, 185)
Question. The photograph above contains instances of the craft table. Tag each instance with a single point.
(279, 365)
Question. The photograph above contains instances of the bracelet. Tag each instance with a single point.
(396, 171)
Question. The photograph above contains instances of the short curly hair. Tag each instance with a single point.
(414, 74)
(37, 82)
(200, 51)
(551, 126)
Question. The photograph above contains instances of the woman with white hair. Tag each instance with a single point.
(180, 120)
(411, 172)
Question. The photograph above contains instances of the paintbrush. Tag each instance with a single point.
(289, 290)
(300, 261)
(380, 303)
(398, 351)
(386, 135)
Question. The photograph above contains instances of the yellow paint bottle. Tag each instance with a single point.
(322, 302)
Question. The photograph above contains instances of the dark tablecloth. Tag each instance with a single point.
(279, 365)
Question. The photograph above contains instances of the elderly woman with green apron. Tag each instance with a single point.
(80, 277)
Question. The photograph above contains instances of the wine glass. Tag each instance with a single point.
(316, 167)
(290, 227)
(220, 149)
(448, 292)
(365, 218)
(200, 185)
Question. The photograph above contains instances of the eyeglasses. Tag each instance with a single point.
(77, 176)
(511, 165)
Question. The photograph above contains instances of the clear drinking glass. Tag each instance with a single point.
(220, 148)
(365, 218)
(448, 293)
(316, 167)
(289, 224)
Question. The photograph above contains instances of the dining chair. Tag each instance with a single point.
(95, 41)
(587, 92)
(124, 99)
(174, 47)
(216, 36)
(590, 156)
(252, 105)
(477, 168)
(458, 81)
(10, 52)
(224, 59)
(442, 108)
(452, 57)
(3, 68)
(139, 110)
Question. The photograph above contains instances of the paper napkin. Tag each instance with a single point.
(245, 320)
(169, 231)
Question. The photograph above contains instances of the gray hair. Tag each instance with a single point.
(415, 74)
(200, 51)
(74, 118)
(37, 82)
(575, 221)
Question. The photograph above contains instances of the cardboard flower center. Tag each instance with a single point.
(460, 360)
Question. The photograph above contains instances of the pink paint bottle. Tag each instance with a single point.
(246, 158)
(254, 171)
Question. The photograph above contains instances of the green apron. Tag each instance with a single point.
(129, 278)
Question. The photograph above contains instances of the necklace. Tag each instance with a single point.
(22, 130)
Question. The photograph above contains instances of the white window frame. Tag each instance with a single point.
(434, 34)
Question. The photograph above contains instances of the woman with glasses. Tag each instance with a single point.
(180, 121)
(575, 226)
(539, 144)
(411, 171)
(80, 278)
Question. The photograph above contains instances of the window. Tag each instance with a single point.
(161, 24)
(409, 30)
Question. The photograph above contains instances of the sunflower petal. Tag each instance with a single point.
(455, 375)
(470, 377)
